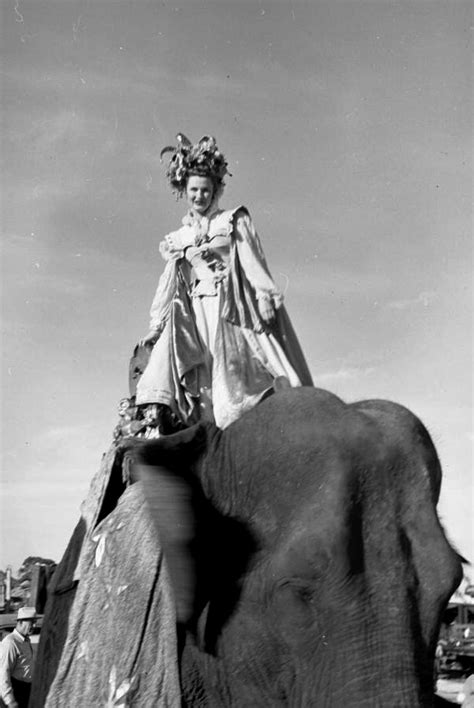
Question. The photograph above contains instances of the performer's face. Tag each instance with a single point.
(199, 193)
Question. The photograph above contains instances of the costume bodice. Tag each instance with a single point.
(220, 252)
(204, 245)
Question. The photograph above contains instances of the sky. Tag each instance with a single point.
(347, 126)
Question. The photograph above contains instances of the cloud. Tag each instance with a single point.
(43, 490)
(54, 450)
(32, 271)
(64, 434)
(424, 299)
(344, 374)
(61, 126)
(90, 84)
(330, 280)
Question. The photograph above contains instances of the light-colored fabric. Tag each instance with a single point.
(215, 358)
(16, 661)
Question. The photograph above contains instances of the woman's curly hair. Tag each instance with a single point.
(203, 159)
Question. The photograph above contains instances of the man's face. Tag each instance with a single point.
(25, 627)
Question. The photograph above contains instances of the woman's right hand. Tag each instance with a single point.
(174, 241)
(149, 338)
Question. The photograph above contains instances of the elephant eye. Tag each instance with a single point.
(296, 589)
(293, 608)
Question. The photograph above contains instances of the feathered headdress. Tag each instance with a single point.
(187, 159)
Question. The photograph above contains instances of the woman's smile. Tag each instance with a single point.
(199, 193)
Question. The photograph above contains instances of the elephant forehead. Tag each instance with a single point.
(304, 558)
(324, 532)
(315, 467)
(310, 552)
(314, 544)
(312, 509)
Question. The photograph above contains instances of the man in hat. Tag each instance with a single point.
(16, 661)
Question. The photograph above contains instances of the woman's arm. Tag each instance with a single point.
(164, 294)
(253, 262)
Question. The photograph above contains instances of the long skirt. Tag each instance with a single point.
(206, 368)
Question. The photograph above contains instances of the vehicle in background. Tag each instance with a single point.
(455, 652)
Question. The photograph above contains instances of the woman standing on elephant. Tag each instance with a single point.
(219, 334)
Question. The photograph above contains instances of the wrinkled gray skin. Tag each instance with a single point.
(329, 587)
(307, 561)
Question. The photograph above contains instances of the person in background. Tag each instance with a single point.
(16, 661)
(220, 339)
(466, 697)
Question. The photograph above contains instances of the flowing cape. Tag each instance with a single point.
(241, 306)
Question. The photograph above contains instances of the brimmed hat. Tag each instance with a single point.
(26, 614)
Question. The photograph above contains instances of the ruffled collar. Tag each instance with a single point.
(200, 223)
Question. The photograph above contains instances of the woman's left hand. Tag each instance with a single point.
(149, 338)
(266, 309)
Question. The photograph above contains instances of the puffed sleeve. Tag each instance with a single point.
(252, 259)
(175, 243)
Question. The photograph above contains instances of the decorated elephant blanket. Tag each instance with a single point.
(109, 636)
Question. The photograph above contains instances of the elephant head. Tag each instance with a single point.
(309, 564)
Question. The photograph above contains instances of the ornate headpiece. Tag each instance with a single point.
(203, 158)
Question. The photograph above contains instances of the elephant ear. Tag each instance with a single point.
(178, 450)
(175, 502)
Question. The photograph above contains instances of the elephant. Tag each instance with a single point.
(299, 549)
